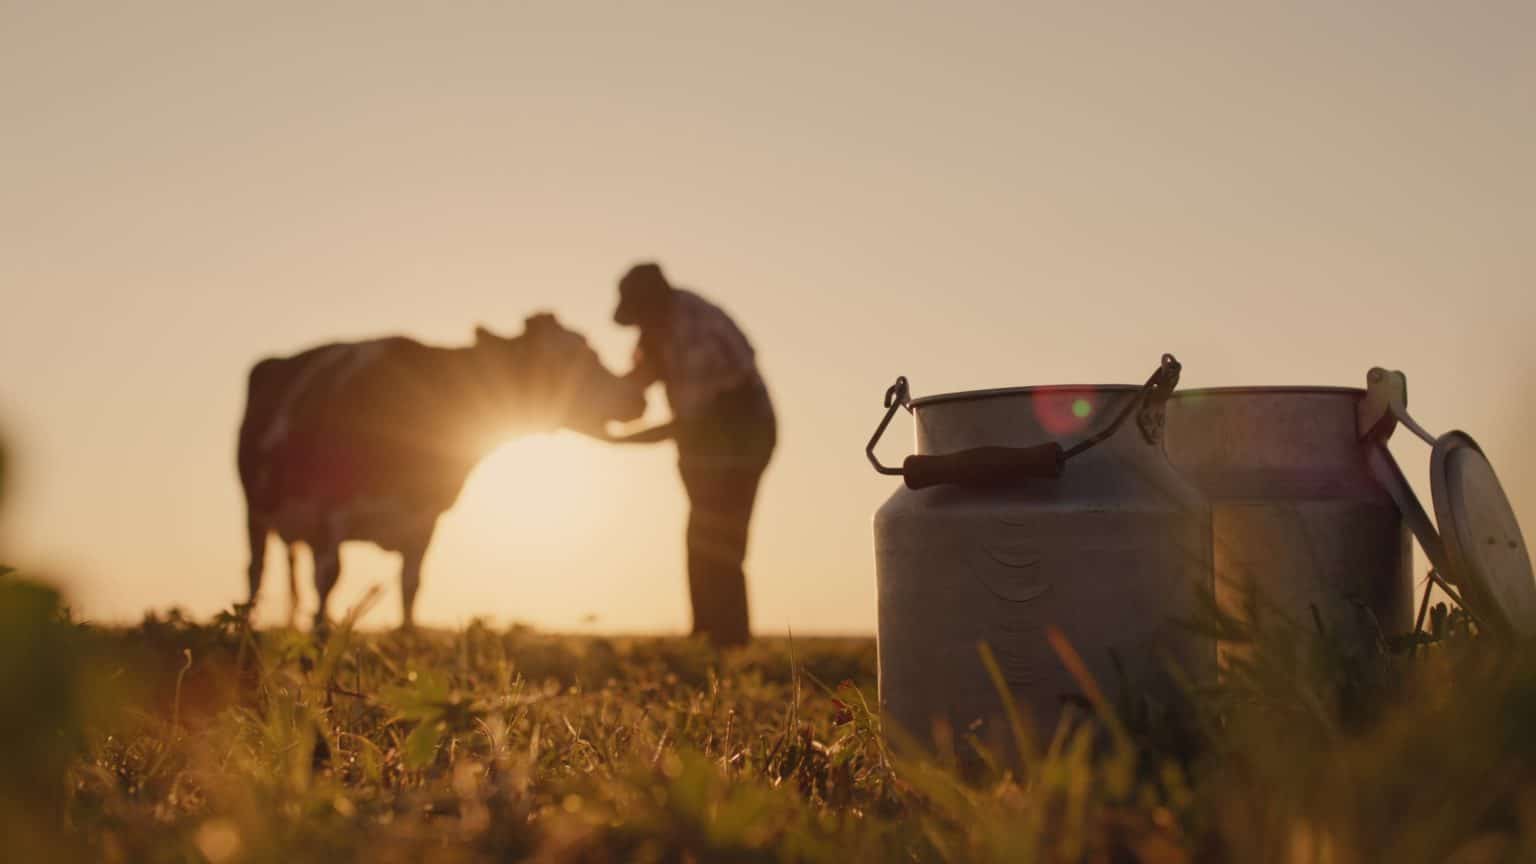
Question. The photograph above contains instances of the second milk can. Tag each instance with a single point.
(1300, 521)
(1029, 509)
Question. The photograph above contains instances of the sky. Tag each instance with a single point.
(969, 194)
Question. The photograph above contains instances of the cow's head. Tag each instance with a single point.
(551, 377)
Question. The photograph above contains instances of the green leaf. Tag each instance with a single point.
(421, 745)
(426, 698)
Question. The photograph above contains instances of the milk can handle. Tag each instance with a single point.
(984, 466)
(999, 466)
(896, 396)
(979, 466)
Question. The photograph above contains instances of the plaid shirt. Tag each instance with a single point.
(703, 355)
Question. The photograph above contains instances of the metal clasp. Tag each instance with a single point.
(1152, 416)
(1385, 405)
(896, 396)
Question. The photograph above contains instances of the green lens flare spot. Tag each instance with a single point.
(1081, 408)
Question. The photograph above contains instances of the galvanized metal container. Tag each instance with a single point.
(1297, 512)
(997, 548)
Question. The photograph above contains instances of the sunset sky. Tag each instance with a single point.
(969, 194)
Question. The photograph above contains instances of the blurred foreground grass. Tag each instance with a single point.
(186, 741)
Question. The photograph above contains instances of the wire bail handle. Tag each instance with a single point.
(896, 396)
(1001, 465)
(1148, 407)
(1152, 418)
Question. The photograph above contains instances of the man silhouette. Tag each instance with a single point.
(724, 426)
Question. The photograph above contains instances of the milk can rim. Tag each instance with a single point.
(968, 395)
(1264, 390)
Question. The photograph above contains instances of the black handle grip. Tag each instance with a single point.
(984, 466)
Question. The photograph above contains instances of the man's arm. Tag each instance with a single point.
(646, 371)
(652, 435)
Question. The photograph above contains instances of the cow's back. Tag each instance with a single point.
(349, 421)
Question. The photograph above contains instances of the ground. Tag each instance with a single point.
(208, 741)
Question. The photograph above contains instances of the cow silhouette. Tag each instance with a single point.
(374, 440)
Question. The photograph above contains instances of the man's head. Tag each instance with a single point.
(644, 296)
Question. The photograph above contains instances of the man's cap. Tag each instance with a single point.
(646, 273)
(643, 286)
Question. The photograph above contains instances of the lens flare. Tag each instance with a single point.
(1064, 412)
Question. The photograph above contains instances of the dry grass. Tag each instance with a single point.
(183, 741)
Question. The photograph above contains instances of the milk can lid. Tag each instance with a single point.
(1481, 536)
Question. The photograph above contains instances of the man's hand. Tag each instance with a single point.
(653, 435)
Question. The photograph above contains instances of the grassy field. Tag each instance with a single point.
(203, 741)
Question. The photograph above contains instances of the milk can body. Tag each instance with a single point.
(1297, 515)
(1109, 553)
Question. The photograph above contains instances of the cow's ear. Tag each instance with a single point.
(541, 322)
(484, 336)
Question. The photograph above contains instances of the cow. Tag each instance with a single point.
(373, 440)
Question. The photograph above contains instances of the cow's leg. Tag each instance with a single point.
(293, 583)
(410, 581)
(257, 531)
(327, 557)
(410, 573)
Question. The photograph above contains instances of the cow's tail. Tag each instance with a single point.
(261, 400)
(262, 396)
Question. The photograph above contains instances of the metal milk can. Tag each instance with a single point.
(1298, 515)
(1027, 509)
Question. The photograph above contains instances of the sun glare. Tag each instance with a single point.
(543, 485)
(565, 531)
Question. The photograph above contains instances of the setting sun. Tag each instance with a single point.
(549, 486)
(562, 530)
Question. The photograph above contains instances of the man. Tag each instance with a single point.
(724, 426)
